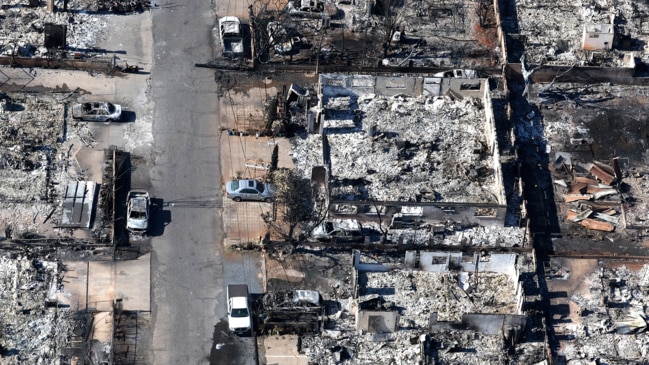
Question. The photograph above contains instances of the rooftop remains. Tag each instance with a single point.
(590, 32)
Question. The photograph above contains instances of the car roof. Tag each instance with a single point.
(138, 204)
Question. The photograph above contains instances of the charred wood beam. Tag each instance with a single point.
(396, 248)
(274, 68)
(422, 204)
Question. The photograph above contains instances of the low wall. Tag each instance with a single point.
(98, 64)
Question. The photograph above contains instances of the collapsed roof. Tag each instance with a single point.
(606, 321)
(582, 32)
(431, 307)
(395, 139)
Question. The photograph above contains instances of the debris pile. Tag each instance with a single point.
(492, 293)
(454, 234)
(33, 329)
(554, 31)
(448, 316)
(339, 347)
(586, 195)
(23, 27)
(612, 319)
(405, 149)
(36, 160)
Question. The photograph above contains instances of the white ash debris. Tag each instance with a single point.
(32, 332)
(456, 235)
(22, 28)
(25, 217)
(342, 348)
(306, 152)
(29, 133)
(494, 294)
(406, 149)
(555, 29)
(612, 319)
(36, 160)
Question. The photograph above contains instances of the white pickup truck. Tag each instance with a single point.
(239, 319)
(231, 37)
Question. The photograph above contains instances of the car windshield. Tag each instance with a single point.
(240, 313)
(260, 187)
(138, 215)
(235, 185)
(111, 108)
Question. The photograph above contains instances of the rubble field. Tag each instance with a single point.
(412, 293)
(404, 149)
(37, 159)
(553, 30)
(607, 320)
(430, 34)
(594, 136)
(86, 22)
(34, 329)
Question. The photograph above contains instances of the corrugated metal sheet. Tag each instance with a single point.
(78, 202)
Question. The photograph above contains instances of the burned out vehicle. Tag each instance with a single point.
(137, 212)
(338, 230)
(290, 311)
(97, 112)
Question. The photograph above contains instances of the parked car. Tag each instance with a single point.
(97, 112)
(137, 211)
(239, 190)
(239, 320)
(231, 36)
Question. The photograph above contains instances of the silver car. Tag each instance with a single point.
(97, 112)
(137, 212)
(239, 190)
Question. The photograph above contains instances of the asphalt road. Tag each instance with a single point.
(187, 265)
(188, 289)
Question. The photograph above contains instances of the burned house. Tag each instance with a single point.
(599, 309)
(407, 153)
(591, 33)
(433, 307)
(371, 33)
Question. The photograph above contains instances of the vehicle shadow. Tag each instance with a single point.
(128, 116)
(160, 218)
